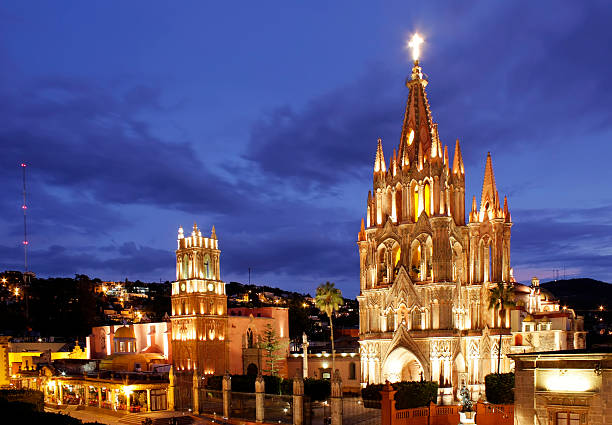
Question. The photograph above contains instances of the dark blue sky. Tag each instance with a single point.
(262, 118)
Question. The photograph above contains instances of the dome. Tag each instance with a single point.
(125, 332)
(528, 319)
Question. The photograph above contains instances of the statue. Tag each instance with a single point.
(467, 414)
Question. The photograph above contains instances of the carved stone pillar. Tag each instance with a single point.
(260, 388)
(227, 388)
(336, 399)
(298, 400)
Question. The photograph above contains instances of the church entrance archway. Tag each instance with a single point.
(402, 365)
(252, 369)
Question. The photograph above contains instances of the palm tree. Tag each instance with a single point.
(328, 299)
(501, 297)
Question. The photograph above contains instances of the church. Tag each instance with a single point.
(425, 272)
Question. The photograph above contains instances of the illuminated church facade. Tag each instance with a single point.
(425, 273)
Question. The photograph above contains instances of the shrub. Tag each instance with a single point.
(409, 394)
(415, 394)
(317, 389)
(371, 395)
(499, 388)
(32, 399)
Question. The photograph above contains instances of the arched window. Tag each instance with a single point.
(427, 199)
(416, 203)
(415, 261)
(185, 267)
(352, 371)
(207, 271)
(249, 335)
(382, 265)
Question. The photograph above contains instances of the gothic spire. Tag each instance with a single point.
(446, 156)
(418, 131)
(213, 234)
(362, 234)
(507, 216)
(489, 189)
(458, 160)
(379, 162)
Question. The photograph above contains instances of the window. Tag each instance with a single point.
(427, 199)
(568, 418)
(326, 375)
(250, 338)
(185, 267)
(352, 370)
(207, 267)
(416, 204)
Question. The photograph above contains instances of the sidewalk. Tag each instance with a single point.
(110, 417)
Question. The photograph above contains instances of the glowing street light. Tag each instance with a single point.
(601, 308)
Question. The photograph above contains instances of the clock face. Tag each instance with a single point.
(211, 287)
(182, 286)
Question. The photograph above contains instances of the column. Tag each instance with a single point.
(298, 400)
(86, 395)
(336, 399)
(60, 399)
(148, 400)
(304, 355)
(113, 399)
(227, 388)
(128, 395)
(99, 397)
(171, 389)
(259, 398)
(387, 413)
(195, 393)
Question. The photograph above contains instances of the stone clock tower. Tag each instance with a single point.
(199, 306)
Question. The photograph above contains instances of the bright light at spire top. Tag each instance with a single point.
(415, 45)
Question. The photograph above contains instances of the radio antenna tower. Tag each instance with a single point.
(24, 207)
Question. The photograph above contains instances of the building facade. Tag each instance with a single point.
(563, 388)
(425, 273)
(540, 323)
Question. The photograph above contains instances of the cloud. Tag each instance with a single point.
(126, 260)
(578, 240)
(508, 88)
(80, 137)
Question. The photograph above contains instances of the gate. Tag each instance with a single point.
(183, 387)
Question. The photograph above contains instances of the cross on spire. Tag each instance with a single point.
(415, 45)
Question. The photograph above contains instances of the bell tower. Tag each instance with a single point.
(199, 306)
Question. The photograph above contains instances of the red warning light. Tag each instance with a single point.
(23, 164)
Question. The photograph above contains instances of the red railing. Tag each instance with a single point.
(486, 414)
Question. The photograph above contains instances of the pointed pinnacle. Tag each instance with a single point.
(458, 160)
(489, 189)
(446, 156)
(362, 235)
(379, 162)
(506, 209)
(213, 234)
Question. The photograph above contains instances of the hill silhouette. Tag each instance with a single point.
(581, 294)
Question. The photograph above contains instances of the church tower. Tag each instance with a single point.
(425, 273)
(199, 306)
